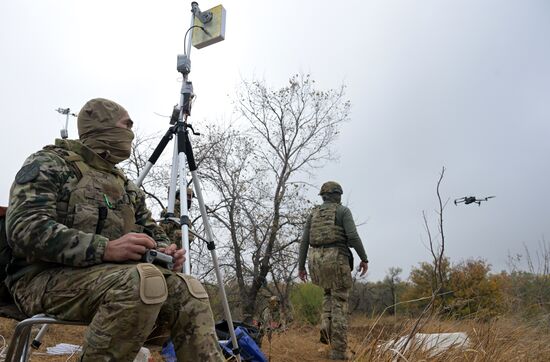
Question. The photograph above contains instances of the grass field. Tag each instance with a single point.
(498, 340)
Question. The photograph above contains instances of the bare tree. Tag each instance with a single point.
(539, 264)
(296, 125)
(437, 249)
(253, 181)
(392, 280)
(255, 172)
(437, 243)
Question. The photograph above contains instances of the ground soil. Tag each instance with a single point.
(298, 343)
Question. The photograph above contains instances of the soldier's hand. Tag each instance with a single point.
(177, 254)
(131, 246)
(363, 267)
(303, 275)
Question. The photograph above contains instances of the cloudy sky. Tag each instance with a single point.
(461, 84)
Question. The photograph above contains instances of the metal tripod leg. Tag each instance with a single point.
(210, 244)
(37, 341)
(183, 152)
(219, 276)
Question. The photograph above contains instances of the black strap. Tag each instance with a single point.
(102, 215)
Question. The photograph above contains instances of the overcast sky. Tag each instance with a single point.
(463, 84)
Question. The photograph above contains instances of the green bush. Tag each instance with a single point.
(307, 300)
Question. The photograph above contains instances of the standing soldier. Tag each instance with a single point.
(270, 318)
(330, 231)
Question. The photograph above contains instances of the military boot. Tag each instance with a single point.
(339, 355)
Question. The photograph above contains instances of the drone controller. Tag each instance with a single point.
(156, 257)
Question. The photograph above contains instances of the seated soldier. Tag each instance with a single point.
(78, 229)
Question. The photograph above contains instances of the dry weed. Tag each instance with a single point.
(503, 339)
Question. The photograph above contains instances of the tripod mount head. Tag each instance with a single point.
(204, 16)
(174, 118)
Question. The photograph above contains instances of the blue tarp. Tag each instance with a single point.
(250, 352)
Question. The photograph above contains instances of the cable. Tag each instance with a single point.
(187, 32)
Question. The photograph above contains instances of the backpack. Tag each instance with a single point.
(5, 258)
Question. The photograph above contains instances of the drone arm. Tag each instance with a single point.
(459, 200)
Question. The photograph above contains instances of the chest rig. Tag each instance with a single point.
(97, 201)
(324, 231)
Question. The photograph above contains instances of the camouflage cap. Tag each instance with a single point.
(331, 187)
(274, 299)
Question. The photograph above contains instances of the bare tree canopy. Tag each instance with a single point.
(256, 172)
(254, 178)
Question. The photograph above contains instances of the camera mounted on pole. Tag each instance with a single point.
(67, 112)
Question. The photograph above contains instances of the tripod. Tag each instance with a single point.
(183, 152)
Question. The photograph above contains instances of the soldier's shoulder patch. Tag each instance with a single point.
(28, 173)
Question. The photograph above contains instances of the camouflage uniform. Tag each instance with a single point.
(330, 231)
(66, 203)
(270, 318)
(172, 228)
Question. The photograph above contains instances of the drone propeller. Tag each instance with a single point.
(459, 200)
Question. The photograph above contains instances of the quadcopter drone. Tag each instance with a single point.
(472, 199)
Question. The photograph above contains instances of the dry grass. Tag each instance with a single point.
(57, 334)
(499, 340)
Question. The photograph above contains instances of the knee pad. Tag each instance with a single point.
(152, 285)
(195, 287)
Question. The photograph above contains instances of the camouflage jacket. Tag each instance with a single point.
(343, 219)
(173, 229)
(57, 202)
(270, 319)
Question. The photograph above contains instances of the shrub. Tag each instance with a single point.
(307, 300)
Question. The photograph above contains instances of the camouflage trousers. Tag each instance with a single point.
(107, 296)
(330, 270)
